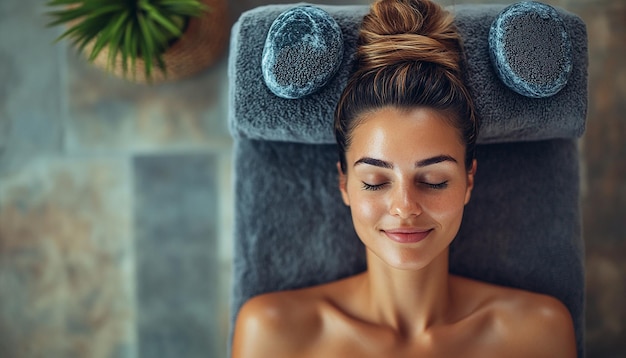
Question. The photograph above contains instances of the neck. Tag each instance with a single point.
(408, 301)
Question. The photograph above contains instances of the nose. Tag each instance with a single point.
(405, 201)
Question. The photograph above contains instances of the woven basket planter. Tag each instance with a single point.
(201, 45)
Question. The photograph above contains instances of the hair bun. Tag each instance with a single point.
(398, 31)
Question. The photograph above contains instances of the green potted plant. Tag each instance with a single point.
(145, 40)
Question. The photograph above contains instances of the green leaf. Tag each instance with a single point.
(86, 10)
(184, 7)
(160, 35)
(71, 32)
(85, 32)
(101, 41)
(134, 47)
(65, 16)
(90, 30)
(126, 47)
(146, 44)
(169, 25)
(117, 34)
(108, 32)
(145, 36)
(116, 9)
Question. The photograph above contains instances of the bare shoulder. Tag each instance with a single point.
(542, 322)
(278, 324)
(531, 324)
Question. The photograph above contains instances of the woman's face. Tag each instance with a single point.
(406, 184)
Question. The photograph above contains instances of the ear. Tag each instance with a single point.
(343, 185)
(470, 181)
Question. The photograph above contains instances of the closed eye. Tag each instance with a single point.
(373, 187)
(436, 186)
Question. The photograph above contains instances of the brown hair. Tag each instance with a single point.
(409, 55)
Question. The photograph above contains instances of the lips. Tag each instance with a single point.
(407, 235)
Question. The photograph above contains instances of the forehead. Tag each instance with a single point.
(416, 132)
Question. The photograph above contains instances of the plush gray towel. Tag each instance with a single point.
(257, 113)
(521, 228)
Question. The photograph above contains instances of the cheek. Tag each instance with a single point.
(367, 210)
(448, 208)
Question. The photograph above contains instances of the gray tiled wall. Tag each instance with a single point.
(175, 249)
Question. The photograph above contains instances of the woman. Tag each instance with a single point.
(406, 132)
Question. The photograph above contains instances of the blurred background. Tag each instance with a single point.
(116, 198)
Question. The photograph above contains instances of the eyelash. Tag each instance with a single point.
(371, 187)
(438, 186)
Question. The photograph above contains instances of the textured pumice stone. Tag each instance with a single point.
(302, 52)
(531, 49)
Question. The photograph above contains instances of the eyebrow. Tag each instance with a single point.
(419, 164)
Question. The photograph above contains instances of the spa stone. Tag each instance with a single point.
(530, 49)
(302, 52)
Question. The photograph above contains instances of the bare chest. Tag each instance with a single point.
(362, 340)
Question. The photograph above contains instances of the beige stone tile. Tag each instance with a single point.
(66, 280)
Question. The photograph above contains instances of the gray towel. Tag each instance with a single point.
(257, 113)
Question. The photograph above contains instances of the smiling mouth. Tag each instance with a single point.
(407, 236)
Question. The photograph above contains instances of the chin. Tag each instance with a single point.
(405, 261)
